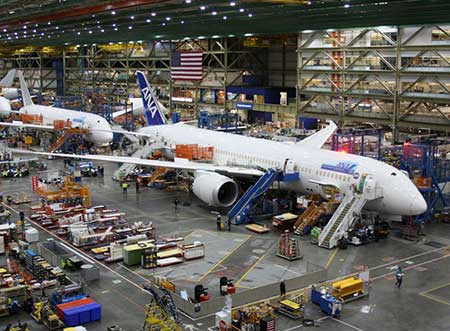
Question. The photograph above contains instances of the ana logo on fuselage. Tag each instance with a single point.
(343, 167)
(152, 107)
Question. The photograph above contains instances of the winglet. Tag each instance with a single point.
(7, 81)
(319, 138)
(152, 111)
(25, 93)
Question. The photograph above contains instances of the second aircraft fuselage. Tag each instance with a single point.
(101, 130)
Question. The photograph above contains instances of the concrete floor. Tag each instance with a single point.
(421, 304)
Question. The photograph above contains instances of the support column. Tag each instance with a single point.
(225, 74)
(398, 87)
(299, 79)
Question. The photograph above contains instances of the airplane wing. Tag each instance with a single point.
(26, 125)
(319, 138)
(182, 164)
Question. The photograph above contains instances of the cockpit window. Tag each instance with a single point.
(393, 174)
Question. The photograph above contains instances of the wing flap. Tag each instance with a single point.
(26, 125)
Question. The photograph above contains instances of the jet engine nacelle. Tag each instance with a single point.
(214, 189)
(5, 107)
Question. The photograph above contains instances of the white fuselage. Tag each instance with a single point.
(316, 166)
(101, 130)
(138, 108)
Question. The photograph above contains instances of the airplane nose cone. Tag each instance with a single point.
(418, 205)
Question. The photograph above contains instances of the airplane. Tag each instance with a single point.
(138, 108)
(100, 132)
(237, 156)
(7, 93)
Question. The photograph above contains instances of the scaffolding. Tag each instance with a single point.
(396, 76)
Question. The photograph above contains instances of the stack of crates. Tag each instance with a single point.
(40, 268)
(79, 312)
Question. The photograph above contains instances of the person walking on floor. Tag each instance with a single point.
(399, 277)
(282, 289)
(124, 188)
(175, 204)
(137, 185)
(219, 222)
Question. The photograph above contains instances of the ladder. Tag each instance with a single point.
(238, 214)
(171, 305)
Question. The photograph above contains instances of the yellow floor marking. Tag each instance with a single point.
(435, 288)
(223, 259)
(331, 258)
(250, 269)
(435, 299)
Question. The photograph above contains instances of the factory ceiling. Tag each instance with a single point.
(71, 22)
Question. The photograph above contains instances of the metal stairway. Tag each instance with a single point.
(127, 168)
(238, 214)
(342, 218)
(349, 208)
(57, 144)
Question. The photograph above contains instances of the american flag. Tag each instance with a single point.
(187, 66)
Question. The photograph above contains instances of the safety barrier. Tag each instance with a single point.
(262, 293)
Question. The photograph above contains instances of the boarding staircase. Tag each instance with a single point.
(57, 144)
(308, 218)
(238, 214)
(350, 207)
(156, 174)
(127, 168)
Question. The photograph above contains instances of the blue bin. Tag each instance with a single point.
(96, 312)
(71, 316)
(85, 314)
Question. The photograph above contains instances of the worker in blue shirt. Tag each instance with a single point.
(399, 277)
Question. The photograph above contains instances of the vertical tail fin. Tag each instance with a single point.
(25, 93)
(7, 81)
(152, 111)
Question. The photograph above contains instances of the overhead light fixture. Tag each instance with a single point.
(11, 12)
(202, 7)
(241, 10)
(49, 23)
(188, 1)
(130, 27)
(347, 5)
(250, 15)
(163, 24)
(148, 20)
(132, 17)
(153, 14)
(113, 13)
(182, 22)
(168, 18)
(116, 29)
(232, 3)
(214, 13)
(225, 17)
(102, 30)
